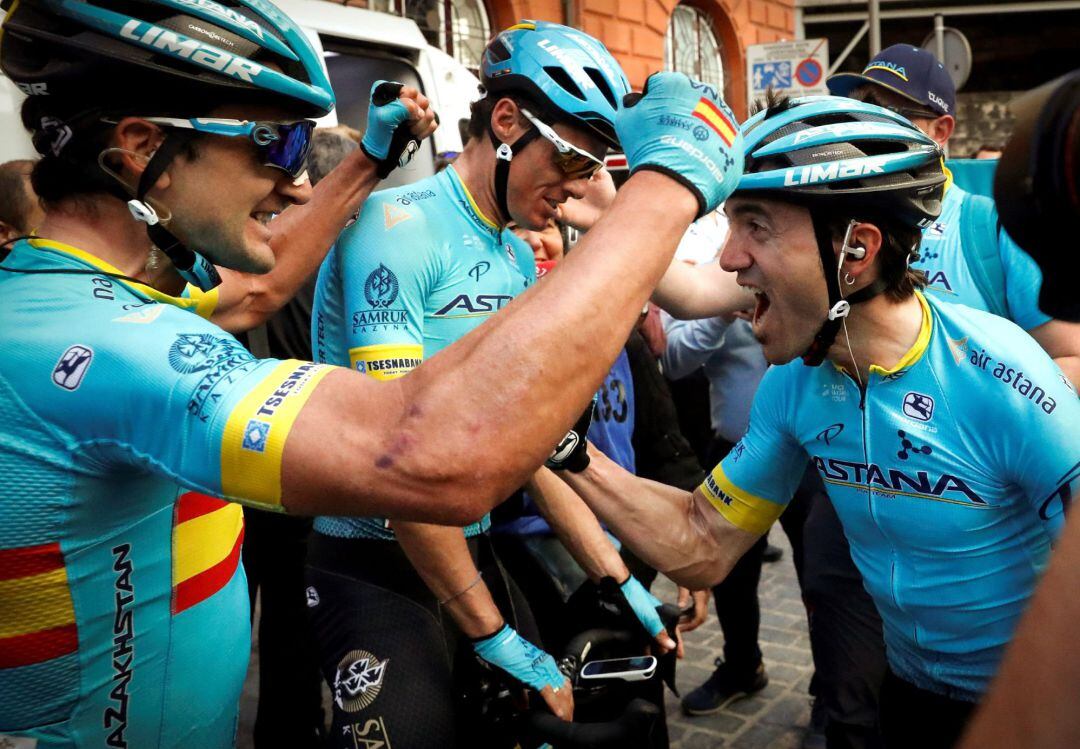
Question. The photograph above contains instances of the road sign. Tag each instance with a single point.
(793, 68)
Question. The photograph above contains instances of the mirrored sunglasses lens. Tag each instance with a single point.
(289, 152)
(576, 165)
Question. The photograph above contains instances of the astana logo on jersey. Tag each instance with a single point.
(381, 287)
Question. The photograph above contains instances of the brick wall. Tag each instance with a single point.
(634, 31)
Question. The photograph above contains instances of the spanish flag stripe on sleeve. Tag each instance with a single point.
(30, 560)
(193, 504)
(37, 647)
(35, 602)
(740, 508)
(204, 541)
(708, 113)
(201, 586)
(257, 428)
(37, 618)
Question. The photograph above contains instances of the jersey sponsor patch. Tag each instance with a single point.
(71, 369)
(254, 475)
(143, 315)
(393, 215)
(386, 361)
(358, 680)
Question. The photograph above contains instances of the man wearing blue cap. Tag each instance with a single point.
(967, 256)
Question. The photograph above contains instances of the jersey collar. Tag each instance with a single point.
(915, 353)
(193, 299)
(948, 178)
(468, 203)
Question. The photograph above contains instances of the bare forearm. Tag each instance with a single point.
(672, 530)
(440, 555)
(1032, 702)
(577, 527)
(692, 292)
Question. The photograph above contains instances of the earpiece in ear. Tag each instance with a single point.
(856, 252)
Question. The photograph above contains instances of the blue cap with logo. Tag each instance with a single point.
(909, 71)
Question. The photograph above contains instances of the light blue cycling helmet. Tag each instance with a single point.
(569, 75)
(839, 154)
(174, 56)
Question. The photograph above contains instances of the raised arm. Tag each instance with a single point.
(448, 441)
(443, 443)
(689, 292)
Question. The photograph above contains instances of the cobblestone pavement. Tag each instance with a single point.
(772, 719)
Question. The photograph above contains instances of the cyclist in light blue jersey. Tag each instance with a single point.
(131, 427)
(966, 254)
(948, 440)
(423, 266)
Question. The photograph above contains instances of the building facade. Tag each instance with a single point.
(706, 39)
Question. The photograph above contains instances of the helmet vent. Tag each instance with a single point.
(603, 86)
(497, 51)
(563, 79)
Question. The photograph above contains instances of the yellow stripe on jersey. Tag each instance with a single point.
(741, 509)
(386, 361)
(202, 303)
(34, 603)
(202, 542)
(257, 428)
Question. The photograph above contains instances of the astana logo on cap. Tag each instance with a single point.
(891, 67)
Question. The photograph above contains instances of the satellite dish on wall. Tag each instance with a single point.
(957, 59)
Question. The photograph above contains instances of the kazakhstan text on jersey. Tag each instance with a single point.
(950, 477)
(420, 268)
(124, 416)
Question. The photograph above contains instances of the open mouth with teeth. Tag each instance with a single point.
(762, 303)
(263, 217)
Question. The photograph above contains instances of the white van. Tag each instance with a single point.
(359, 47)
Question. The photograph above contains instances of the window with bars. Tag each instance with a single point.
(691, 46)
(460, 27)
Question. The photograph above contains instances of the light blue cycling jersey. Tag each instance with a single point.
(950, 477)
(123, 416)
(942, 257)
(420, 268)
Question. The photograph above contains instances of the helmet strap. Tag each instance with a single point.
(504, 154)
(192, 267)
(839, 305)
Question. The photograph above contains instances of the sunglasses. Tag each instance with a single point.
(574, 162)
(282, 145)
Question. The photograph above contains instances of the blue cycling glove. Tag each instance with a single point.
(644, 605)
(520, 658)
(388, 141)
(682, 128)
